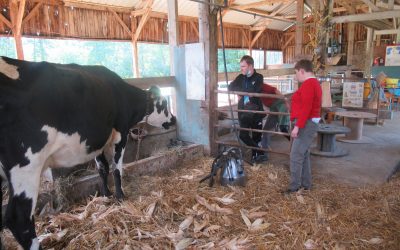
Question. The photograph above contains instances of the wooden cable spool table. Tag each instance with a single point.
(355, 121)
(326, 141)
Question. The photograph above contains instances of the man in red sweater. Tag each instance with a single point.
(305, 113)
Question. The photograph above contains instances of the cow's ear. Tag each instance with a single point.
(155, 91)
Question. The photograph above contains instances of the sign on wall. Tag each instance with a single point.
(353, 94)
(392, 55)
(195, 72)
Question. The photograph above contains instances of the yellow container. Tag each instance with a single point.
(367, 89)
(392, 81)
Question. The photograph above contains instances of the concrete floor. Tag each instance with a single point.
(366, 164)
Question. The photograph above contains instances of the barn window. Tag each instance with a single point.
(274, 57)
(117, 56)
(232, 59)
(153, 60)
(7, 47)
(258, 56)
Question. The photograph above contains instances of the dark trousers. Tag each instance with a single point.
(245, 135)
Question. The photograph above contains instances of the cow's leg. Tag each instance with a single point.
(24, 187)
(117, 166)
(103, 168)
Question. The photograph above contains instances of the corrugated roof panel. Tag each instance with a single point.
(240, 18)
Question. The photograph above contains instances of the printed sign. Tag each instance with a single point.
(392, 55)
(353, 94)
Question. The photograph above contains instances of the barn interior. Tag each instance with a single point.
(355, 202)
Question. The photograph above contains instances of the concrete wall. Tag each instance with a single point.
(192, 118)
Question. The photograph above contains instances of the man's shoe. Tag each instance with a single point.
(259, 158)
(289, 191)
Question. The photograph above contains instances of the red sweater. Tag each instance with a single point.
(268, 89)
(306, 102)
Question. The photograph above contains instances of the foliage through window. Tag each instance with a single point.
(153, 60)
(233, 57)
(7, 47)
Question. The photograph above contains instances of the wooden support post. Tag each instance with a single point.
(135, 58)
(209, 37)
(173, 31)
(350, 46)
(17, 13)
(369, 53)
(299, 28)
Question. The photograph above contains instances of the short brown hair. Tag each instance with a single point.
(248, 59)
(304, 64)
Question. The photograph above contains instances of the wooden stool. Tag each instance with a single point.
(326, 141)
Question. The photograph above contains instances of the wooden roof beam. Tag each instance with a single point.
(257, 36)
(257, 4)
(288, 41)
(371, 5)
(143, 20)
(32, 13)
(5, 21)
(48, 2)
(387, 32)
(366, 17)
(264, 22)
(95, 6)
(121, 22)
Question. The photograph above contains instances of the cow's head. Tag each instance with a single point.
(158, 114)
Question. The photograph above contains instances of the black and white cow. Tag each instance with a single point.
(55, 115)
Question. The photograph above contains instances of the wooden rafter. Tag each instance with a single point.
(254, 40)
(273, 14)
(288, 41)
(282, 8)
(366, 17)
(94, 6)
(49, 2)
(32, 13)
(143, 20)
(246, 37)
(5, 21)
(20, 15)
(230, 3)
(370, 5)
(121, 22)
(257, 4)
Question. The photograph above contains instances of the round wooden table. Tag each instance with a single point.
(355, 121)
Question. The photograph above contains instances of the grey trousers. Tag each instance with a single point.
(300, 168)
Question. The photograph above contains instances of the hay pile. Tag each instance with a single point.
(174, 211)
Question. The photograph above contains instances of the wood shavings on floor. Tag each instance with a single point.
(172, 210)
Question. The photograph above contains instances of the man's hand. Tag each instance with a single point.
(295, 132)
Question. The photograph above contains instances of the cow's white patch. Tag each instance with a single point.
(26, 180)
(35, 244)
(157, 119)
(9, 70)
(63, 150)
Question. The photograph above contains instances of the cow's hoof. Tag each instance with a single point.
(120, 196)
(107, 193)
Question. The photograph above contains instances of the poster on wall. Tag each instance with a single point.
(392, 55)
(353, 94)
(195, 72)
